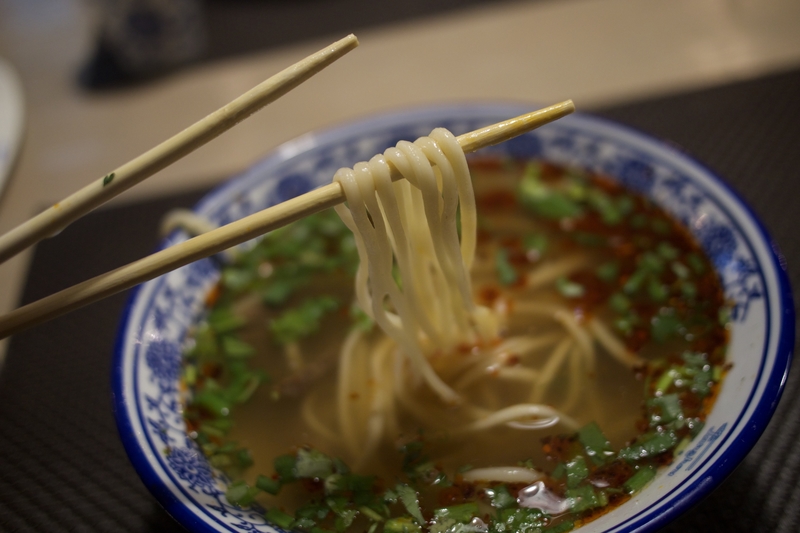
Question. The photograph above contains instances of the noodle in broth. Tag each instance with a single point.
(534, 359)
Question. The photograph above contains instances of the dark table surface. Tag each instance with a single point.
(63, 468)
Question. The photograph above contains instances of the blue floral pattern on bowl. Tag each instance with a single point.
(149, 400)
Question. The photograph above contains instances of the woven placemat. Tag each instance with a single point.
(62, 467)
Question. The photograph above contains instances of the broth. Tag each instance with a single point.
(566, 258)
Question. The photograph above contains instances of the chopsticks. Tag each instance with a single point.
(240, 231)
(100, 191)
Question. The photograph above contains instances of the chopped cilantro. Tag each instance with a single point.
(559, 471)
(657, 291)
(344, 514)
(664, 409)
(688, 289)
(570, 289)
(597, 446)
(546, 201)
(665, 326)
(680, 270)
(561, 527)
(241, 494)
(499, 497)
(519, 520)
(638, 221)
(370, 513)
(660, 226)
(506, 273)
(212, 400)
(696, 263)
(586, 238)
(279, 518)
(284, 467)
(403, 524)
(410, 500)
(236, 348)
(701, 382)
(223, 320)
(236, 279)
(300, 321)
(634, 282)
(609, 210)
(535, 242)
(619, 302)
(361, 320)
(576, 471)
(268, 484)
(651, 263)
(312, 464)
(608, 272)
(585, 497)
(459, 513)
(667, 380)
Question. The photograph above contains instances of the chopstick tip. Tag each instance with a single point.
(350, 42)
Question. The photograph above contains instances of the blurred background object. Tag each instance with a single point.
(140, 39)
(12, 112)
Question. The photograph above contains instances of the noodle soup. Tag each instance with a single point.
(612, 326)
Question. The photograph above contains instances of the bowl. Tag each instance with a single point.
(147, 354)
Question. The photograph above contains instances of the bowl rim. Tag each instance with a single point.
(687, 495)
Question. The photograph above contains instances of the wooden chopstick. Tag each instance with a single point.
(101, 190)
(240, 231)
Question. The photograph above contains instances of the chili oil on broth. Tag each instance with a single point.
(270, 426)
(525, 267)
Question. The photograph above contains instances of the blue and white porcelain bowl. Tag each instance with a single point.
(147, 359)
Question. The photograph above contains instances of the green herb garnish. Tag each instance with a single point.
(506, 273)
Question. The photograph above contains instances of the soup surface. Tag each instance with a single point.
(612, 350)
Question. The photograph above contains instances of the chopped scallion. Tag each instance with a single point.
(570, 289)
(576, 471)
(506, 273)
(279, 518)
(608, 272)
(312, 464)
(585, 497)
(597, 446)
(222, 320)
(268, 484)
(651, 445)
(535, 242)
(619, 302)
(240, 494)
(236, 348)
(459, 513)
(642, 477)
(403, 524)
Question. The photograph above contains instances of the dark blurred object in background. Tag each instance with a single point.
(142, 39)
(240, 26)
